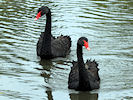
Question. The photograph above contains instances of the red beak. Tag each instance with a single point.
(38, 16)
(86, 45)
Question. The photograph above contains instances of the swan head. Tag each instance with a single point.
(41, 11)
(83, 41)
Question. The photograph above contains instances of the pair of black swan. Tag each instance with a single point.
(83, 76)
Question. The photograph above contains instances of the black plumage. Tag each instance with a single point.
(83, 76)
(48, 46)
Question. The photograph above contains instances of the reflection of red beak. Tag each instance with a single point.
(38, 16)
(86, 45)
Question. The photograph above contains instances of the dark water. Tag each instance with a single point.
(108, 24)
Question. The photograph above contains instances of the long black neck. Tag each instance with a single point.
(46, 43)
(81, 66)
(48, 23)
(80, 55)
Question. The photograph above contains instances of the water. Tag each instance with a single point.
(108, 24)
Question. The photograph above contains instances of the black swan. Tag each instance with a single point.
(48, 46)
(83, 76)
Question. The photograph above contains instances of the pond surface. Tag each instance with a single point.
(108, 25)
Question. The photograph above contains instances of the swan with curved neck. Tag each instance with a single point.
(48, 46)
(83, 76)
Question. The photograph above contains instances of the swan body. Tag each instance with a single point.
(83, 76)
(48, 46)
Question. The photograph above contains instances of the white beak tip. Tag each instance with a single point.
(35, 19)
(88, 48)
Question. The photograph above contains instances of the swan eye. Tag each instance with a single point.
(88, 68)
